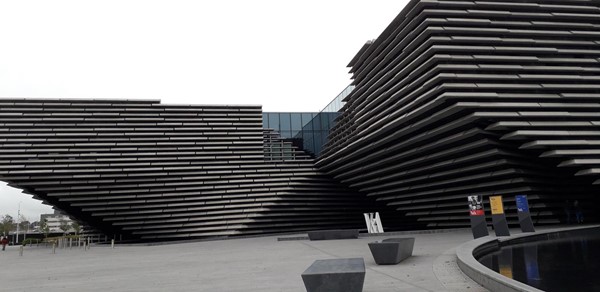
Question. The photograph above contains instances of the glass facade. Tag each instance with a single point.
(314, 134)
(288, 125)
(311, 130)
(336, 104)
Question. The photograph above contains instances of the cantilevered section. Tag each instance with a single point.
(148, 170)
(460, 98)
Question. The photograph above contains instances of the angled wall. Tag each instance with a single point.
(459, 98)
(146, 170)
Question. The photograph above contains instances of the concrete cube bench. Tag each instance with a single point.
(333, 234)
(391, 251)
(335, 275)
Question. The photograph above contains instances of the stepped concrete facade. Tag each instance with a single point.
(143, 170)
(454, 98)
(459, 98)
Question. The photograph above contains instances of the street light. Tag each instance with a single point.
(18, 218)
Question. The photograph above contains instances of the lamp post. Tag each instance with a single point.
(18, 218)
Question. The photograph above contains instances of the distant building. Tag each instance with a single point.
(54, 221)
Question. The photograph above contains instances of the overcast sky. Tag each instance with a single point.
(284, 55)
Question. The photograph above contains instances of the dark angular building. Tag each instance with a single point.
(454, 98)
(459, 98)
(143, 170)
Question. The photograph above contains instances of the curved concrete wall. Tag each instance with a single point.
(468, 253)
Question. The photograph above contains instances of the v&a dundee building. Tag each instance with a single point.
(454, 98)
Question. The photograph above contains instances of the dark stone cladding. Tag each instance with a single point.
(149, 171)
(459, 98)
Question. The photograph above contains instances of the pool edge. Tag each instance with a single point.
(490, 279)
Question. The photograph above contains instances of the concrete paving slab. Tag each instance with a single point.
(248, 264)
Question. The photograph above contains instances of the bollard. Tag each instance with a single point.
(88, 243)
(70, 242)
(53, 247)
(112, 243)
(21, 251)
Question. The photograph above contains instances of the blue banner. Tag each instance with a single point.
(522, 205)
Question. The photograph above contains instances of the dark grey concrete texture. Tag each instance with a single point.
(478, 226)
(392, 250)
(525, 222)
(500, 224)
(335, 275)
(333, 234)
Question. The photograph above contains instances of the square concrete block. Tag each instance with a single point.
(335, 275)
(392, 251)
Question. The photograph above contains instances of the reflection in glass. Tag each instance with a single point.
(531, 265)
(505, 263)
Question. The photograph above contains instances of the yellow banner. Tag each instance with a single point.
(496, 202)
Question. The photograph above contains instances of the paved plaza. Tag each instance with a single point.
(248, 264)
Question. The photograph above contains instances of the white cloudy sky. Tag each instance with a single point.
(284, 55)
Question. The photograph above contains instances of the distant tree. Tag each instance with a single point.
(64, 226)
(23, 223)
(44, 228)
(76, 227)
(7, 224)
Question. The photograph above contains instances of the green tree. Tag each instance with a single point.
(76, 227)
(7, 224)
(44, 228)
(24, 223)
(64, 226)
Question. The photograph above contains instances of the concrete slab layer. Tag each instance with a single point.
(249, 264)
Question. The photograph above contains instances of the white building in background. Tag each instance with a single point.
(54, 221)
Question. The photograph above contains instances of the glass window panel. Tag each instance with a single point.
(309, 142)
(284, 122)
(332, 117)
(317, 142)
(274, 121)
(317, 122)
(286, 134)
(325, 121)
(265, 121)
(296, 121)
(306, 118)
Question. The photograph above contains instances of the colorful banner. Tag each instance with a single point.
(522, 205)
(476, 205)
(496, 203)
